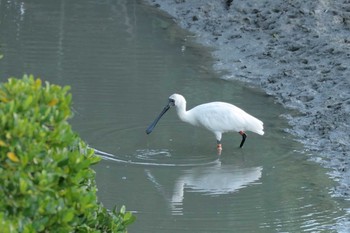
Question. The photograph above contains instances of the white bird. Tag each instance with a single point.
(217, 117)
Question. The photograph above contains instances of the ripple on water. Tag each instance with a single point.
(152, 154)
(155, 157)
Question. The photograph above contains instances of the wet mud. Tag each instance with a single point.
(297, 51)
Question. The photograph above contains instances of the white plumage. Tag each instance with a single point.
(217, 117)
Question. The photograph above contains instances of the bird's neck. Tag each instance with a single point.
(182, 113)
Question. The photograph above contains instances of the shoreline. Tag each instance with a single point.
(298, 52)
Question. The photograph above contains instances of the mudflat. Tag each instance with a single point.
(297, 51)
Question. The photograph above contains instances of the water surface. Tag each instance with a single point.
(123, 59)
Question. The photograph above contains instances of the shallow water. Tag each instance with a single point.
(123, 59)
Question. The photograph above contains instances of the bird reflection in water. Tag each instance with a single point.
(215, 180)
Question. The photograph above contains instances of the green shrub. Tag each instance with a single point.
(46, 183)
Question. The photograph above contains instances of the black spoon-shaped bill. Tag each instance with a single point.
(154, 123)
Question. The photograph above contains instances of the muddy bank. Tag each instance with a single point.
(297, 51)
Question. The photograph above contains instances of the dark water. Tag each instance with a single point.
(123, 59)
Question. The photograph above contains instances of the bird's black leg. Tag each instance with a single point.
(244, 136)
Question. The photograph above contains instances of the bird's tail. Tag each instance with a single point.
(256, 126)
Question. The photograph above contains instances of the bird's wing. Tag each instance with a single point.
(219, 116)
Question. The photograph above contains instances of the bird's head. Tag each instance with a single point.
(174, 100)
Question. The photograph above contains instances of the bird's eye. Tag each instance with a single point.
(172, 102)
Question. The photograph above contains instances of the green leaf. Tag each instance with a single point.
(27, 102)
(68, 216)
(63, 162)
(122, 210)
(47, 184)
(23, 185)
(128, 218)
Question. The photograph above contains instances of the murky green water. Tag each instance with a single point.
(122, 60)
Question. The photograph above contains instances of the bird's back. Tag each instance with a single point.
(224, 117)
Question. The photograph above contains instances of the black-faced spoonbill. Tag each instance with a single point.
(217, 117)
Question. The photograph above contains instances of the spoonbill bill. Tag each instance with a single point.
(217, 117)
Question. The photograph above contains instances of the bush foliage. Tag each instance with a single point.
(47, 184)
